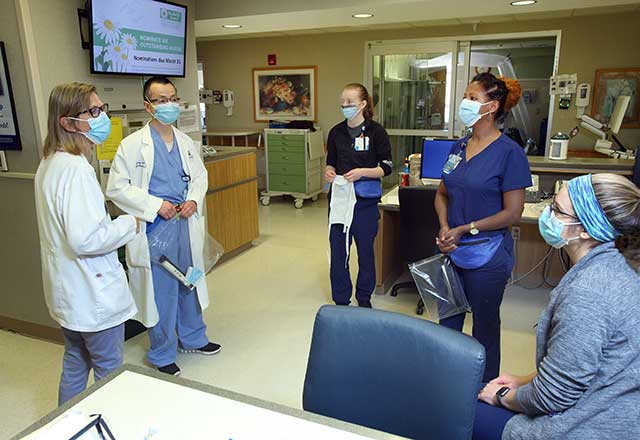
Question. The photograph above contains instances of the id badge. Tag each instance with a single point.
(452, 163)
(360, 143)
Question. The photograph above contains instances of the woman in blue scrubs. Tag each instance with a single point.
(481, 195)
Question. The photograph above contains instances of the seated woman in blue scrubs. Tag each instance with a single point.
(587, 383)
(481, 195)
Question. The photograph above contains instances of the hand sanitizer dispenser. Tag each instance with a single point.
(228, 101)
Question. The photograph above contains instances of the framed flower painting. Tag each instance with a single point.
(285, 93)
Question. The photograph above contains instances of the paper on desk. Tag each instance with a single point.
(188, 119)
(392, 200)
(65, 427)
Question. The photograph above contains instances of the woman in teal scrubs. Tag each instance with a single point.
(481, 195)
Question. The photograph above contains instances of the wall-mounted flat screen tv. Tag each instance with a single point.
(138, 37)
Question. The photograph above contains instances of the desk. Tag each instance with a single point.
(236, 133)
(232, 197)
(134, 399)
(530, 249)
(581, 165)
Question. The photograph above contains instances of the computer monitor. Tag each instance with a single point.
(617, 116)
(618, 113)
(435, 153)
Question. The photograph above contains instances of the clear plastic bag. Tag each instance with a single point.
(167, 234)
(435, 277)
(211, 253)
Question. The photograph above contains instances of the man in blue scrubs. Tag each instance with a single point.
(169, 196)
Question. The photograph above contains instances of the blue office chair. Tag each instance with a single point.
(394, 373)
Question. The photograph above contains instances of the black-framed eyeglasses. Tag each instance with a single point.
(160, 101)
(554, 208)
(95, 110)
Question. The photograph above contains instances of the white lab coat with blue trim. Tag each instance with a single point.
(128, 187)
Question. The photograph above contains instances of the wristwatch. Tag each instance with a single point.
(500, 394)
(473, 230)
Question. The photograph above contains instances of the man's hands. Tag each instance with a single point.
(168, 210)
(187, 209)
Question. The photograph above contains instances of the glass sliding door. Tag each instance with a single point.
(413, 90)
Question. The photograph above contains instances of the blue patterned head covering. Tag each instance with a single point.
(589, 211)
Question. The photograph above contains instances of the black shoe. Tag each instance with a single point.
(207, 350)
(171, 369)
(365, 303)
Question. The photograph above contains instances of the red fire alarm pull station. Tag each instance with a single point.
(271, 58)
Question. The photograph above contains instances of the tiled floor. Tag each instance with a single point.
(262, 307)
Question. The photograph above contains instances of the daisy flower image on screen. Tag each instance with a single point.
(115, 55)
(129, 42)
(107, 30)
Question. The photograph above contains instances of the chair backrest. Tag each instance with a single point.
(419, 222)
(392, 372)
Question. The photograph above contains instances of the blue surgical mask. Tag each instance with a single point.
(167, 113)
(469, 112)
(99, 128)
(349, 111)
(551, 229)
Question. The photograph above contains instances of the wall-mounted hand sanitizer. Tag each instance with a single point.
(583, 95)
(228, 101)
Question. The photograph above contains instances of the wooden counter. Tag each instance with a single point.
(232, 198)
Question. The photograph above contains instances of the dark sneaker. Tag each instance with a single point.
(365, 303)
(207, 350)
(171, 369)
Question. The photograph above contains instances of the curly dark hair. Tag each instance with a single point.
(504, 90)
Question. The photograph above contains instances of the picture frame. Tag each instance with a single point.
(611, 83)
(9, 131)
(285, 93)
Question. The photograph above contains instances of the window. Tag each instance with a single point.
(417, 88)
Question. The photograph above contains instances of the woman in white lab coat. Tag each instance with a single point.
(85, 285)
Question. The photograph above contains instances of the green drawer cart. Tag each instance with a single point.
(294, 161)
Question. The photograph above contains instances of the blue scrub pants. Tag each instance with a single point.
(484, 288)
(490, 421)
(364, 229)
(180, 315)
(101, 351)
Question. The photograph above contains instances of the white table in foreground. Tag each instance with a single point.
(135, 399)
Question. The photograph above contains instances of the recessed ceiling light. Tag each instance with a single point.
(364, 15)
(231, 26)
(523, 2)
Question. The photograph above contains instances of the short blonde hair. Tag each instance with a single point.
(66, 100)
(620, 200)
